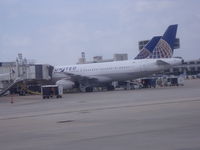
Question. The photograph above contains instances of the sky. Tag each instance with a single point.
(57, 31)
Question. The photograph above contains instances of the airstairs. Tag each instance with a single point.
(12, 84)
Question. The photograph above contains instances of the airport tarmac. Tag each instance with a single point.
(154, 119)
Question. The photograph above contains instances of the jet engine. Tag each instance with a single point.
(66, 84)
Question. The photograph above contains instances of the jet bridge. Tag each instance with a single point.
(12, 73)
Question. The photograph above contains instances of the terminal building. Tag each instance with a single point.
(188, 68)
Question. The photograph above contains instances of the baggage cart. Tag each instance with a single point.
(50, 91)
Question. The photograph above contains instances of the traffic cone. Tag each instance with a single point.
(11, 101)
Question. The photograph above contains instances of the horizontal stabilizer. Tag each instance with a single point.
(161, 62)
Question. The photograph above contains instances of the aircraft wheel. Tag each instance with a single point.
(88, 89)
(110, 88)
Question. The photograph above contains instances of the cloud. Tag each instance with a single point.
(56, 32)
(153, 5)
(15, 41)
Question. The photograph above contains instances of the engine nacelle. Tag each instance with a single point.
(66, 84)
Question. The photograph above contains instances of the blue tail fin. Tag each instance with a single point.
(170, 35)
(165, 46)
(148, 48)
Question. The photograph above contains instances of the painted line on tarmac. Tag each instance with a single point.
(164, 102)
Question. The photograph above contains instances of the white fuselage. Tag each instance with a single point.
(114, 71)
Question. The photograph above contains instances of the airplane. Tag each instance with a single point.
(87, 76)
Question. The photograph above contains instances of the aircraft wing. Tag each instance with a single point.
(82, 78)
(74, 76)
